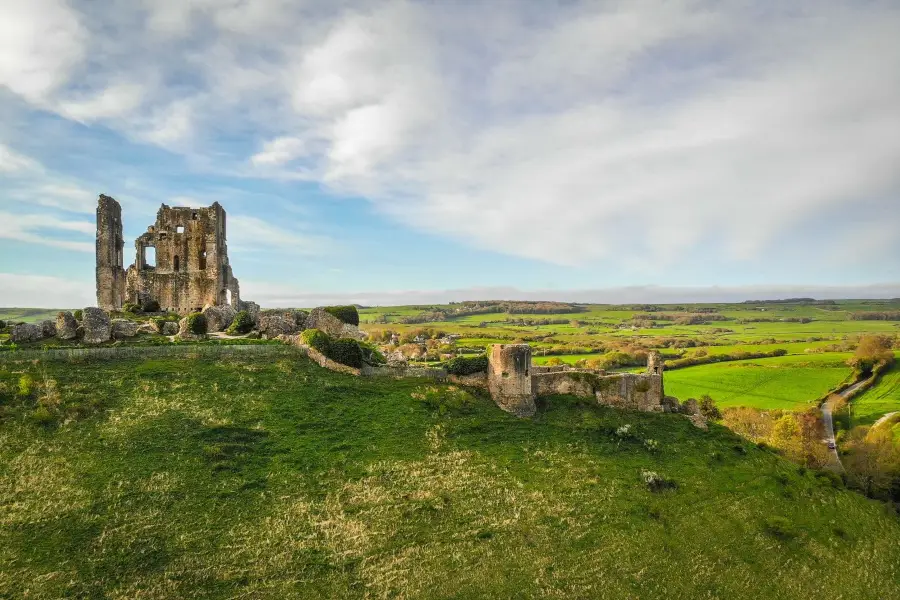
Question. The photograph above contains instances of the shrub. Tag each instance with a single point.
(243, 323)
(318, 339)
(131, 307)
(781, 528)
(346, 314)
(709, 409)
(26, 386)
(150, 306)
(78, 314)
(43, 416)
(371, 354)
(2, 324)
(462, 365)
(196, 323)
(346, 351)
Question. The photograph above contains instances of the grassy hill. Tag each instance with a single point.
(786, 382)
(273, 478)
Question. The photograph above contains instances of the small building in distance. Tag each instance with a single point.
(181, 262)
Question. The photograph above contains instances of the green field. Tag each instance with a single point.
(273, 478)
(879, 400)
(786, 382)
(28, 315)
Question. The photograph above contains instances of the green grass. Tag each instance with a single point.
(243, 478)
(879, 400)
(786, 382)
(28, 315)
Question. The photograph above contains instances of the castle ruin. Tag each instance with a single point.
(514, 383)
(181, 262)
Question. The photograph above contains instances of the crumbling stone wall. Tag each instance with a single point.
(191, 269)
(110, 246)
(509, 378)
(514, 383)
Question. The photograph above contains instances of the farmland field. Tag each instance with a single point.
(787, 382)
(883, 398)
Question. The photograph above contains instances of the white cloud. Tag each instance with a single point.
(41, 41)
(43, 229)
(13, 162)
(45, 292)
(640, 133)
(279, 151)
(251, 233)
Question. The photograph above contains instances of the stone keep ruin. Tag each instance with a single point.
(186, 270)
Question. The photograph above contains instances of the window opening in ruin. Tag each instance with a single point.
(150, 257)
(504, 374)
(179, 229)
(194, 216)
(228, 297)
(203, 260)
(177, 263)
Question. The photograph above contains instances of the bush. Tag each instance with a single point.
(2, 324)
(196, 323)
(781, 528)
(462, 365)
(318, 339)
(347, 352)
(346, 314)
(131, 307)
(78, 314)
(709, 409)
(26, 386)
(371, 354)
(445, 399)
(150, 306)
(243, 323)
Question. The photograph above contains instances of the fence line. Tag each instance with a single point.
(124, 352)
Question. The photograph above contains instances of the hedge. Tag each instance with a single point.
(462, 365)
(196, 323)
(242, 323)
(78, 314)
(346, 314)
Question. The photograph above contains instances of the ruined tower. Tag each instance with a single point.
(110, 245)
(509, 378)
(189, 268)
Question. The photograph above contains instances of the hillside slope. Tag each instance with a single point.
(276, 479)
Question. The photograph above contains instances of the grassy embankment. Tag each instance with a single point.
(277, 479)
(878, 400)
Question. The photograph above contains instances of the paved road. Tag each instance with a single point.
(829, 424)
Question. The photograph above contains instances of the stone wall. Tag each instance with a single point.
(509, 378)
(623, 390)
(110, 245)
(191, 268)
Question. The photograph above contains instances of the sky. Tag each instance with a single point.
(416, 151)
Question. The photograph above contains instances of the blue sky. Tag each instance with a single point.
(402, 151)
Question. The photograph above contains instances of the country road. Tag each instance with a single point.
(829, 424)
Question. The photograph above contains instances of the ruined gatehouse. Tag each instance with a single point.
(181, 262)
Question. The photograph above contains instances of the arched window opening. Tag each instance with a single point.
(177, 264)
(203, 260)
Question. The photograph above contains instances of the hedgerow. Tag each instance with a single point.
(462, 365)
